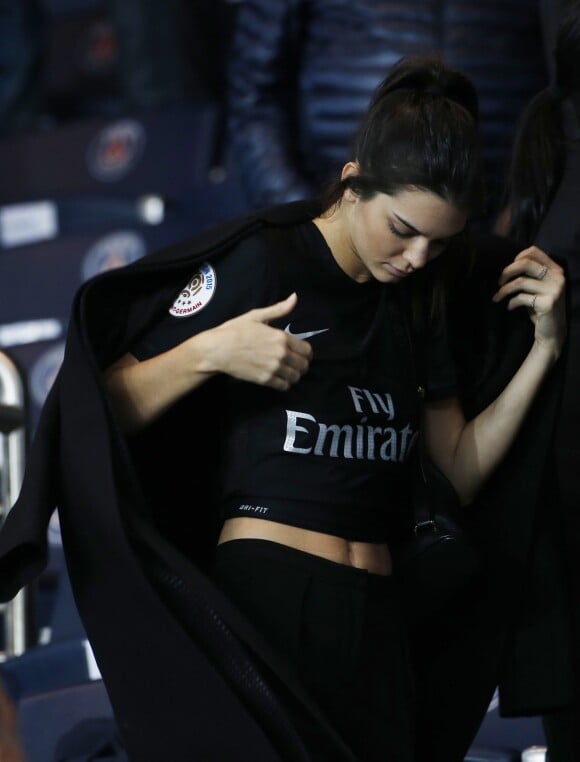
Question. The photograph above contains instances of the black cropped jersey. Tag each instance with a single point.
(330, 453)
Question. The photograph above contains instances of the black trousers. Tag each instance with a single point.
(343, 630)
(562, 728)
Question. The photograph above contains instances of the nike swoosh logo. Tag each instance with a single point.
(306, 334)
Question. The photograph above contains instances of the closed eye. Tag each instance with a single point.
(400, 233)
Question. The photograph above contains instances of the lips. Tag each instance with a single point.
(395, 271)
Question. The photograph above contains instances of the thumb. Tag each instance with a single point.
(274, 311)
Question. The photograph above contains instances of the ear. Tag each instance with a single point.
(349, 170)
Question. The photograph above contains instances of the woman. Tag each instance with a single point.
(296, 354)
(541, 202)
(322, 402)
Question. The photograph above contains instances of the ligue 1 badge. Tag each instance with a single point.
(196, 294)
(116, 150)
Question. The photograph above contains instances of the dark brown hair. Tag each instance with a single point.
(420, 131)
(538, 156)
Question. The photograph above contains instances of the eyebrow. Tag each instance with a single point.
(418, 232)
(407, 224)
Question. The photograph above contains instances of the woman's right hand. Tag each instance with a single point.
(245, 347)
(248, 348)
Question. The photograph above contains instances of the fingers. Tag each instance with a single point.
(249, 349)
(274, 311)
(540, 295)
(527, 285)
(536, 254)
(300, 360)
(300, 347)
(284, 379)
(531, 301)
(533, 263)
(286, 370)
(537, 283)
(533, 274)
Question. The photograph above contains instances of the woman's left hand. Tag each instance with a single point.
(535, 281)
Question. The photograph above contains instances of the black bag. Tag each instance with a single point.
(436, 561)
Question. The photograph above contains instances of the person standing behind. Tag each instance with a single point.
(542, 202)
(302, 73)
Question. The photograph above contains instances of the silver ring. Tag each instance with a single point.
(533, 304)
(543, 272)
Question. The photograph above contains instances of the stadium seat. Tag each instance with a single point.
(480, 754)
(46, 717)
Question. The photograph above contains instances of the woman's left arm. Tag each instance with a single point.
(468, 451)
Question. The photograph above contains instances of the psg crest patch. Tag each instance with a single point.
(116, 150)
(196, 294)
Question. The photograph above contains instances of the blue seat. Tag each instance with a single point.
(48, 668)
(480, 754)
(516, 732)
(44, 718)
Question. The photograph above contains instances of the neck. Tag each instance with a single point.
(334, 231)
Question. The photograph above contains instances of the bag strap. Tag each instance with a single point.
(424, 520)
(422, 504)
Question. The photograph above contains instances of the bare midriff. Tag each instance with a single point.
(374, 557)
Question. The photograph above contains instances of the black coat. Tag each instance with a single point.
(188, 677)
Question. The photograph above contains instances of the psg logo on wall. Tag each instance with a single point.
(44, 372)
(112, 251)
(116, 150)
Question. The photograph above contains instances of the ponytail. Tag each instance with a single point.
(420, 131)
(428, 75)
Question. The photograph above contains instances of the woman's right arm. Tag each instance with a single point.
(246, 348)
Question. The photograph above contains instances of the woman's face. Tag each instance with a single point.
(389, 237)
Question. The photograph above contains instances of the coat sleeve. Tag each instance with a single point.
(262, 96)
(23, 539)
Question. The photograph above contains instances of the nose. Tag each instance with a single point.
(417, 253)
